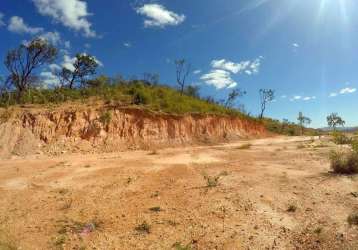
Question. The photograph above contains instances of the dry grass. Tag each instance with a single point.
(344, 162)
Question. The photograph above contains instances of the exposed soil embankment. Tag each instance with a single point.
(110, 129)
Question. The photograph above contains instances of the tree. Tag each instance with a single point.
(232, 97)
(334, 120)
(83, 67)
(302, 120)
(266, 96)
(192, 91)
(22, 62)
(182, 71)
(285, 122)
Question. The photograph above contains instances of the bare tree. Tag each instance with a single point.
(334, 120)
(302, 120)
(266, 96)
(151, 79)
(84, 66)
(22, 62)
(183, 69)
(233, 96)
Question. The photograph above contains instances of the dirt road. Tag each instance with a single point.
(274, 193)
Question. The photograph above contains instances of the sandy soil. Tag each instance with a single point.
(275, 194)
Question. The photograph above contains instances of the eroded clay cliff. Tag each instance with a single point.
(111, 129)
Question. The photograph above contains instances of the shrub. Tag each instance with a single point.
(355, 145)
(211, 181)
(292, 208)
(353, 218)
(143, 228)
(340, 139)
(105, 118)
(344, 162)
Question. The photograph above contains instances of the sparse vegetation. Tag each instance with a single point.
(344, 162)
(180, 246)
(143, 228)
(105, 118)
(155, 209)
(340, 138)
(291, 208)
(211, 181)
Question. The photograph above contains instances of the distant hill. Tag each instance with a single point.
(344, 129)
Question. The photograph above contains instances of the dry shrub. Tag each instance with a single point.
(353, 218)
(344, 162)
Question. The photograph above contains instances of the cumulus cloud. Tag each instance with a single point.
(49, 79)
(343, 91)
(295, 45)
(2, 23)
(196, 72)
(17, 25)
(52, 37)
(71, 13)
(219, 79)
(220, 74)
(158, 16)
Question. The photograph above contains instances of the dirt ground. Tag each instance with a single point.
(274, 193)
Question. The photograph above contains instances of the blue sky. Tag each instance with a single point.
(304, 49)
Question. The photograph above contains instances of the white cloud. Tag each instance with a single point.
(68, 62)
(284, 96)
(343, 91)
(248, 67)
(309, 98)
(18, 25)
(67, 44)
(302, 98)
(49, 79)
(71, 13)
(333, 94)
(158, 16)
(196, 72)
(296, 45)
(347, 91)
(2, 23)
(295, 98)
(219, 79)
(220, 74)
(54, 67)
(52, 37)
(127, 44)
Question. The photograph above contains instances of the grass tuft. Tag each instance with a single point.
(143, 228)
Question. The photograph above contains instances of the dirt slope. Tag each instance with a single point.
(99, 128)
(148, 200)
